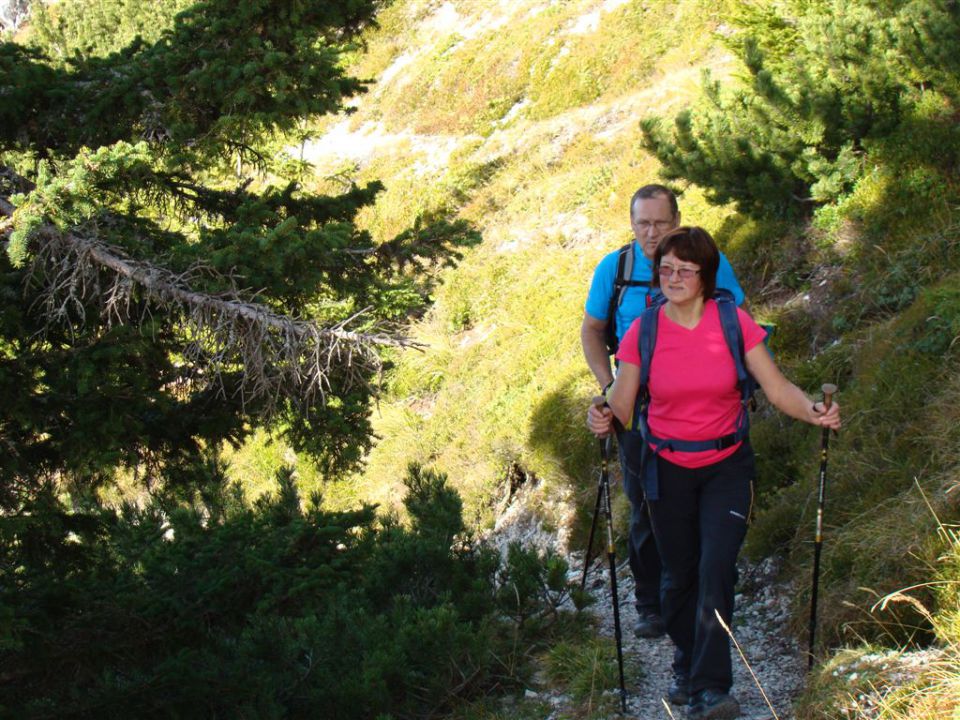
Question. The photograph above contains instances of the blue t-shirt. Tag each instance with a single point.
(635, 298)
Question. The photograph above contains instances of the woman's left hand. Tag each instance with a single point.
(828, 418)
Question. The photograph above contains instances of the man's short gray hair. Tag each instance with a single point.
(654, 191)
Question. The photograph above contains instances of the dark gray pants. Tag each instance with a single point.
(699, 523)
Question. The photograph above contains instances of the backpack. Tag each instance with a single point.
(620, 285)
(747, 384)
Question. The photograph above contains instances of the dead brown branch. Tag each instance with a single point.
(6, 221)
(277, 356)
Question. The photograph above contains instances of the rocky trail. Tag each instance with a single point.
(759, 627)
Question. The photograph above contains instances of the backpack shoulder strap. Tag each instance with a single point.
(625, 279)
(625, 264)
(733, 334)
(646, 343)
(620, 283)
(624, 272)
(655, 296)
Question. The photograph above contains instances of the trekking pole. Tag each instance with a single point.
(828, 390)
(593, 528)
(611, 553)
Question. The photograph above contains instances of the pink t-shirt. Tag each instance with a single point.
(693, 381)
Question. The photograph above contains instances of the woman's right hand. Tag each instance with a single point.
(600, 420)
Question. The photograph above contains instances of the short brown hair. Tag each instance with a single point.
(695, 245)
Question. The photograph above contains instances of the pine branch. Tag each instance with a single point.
(281, 357)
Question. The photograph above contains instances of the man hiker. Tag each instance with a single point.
(618, 295)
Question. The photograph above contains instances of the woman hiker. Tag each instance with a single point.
(699, 499)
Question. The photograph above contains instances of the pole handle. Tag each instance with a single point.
(599, 401)
(828, 391)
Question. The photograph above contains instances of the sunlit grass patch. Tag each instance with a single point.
(496, 369)
(905, 683)
(586, 670)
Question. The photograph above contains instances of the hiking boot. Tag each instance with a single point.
(649, 625)
(679, 691)
(713, 705)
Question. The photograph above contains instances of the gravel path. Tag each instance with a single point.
(759, 626)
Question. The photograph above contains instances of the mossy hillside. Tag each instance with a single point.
(524, 174)
(896, 454)
(497, 381)
(465, 65)
(551, 198)
(503, 385)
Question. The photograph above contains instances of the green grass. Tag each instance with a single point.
(869, 681)
(464, 76)
(899, 393)
(494, 368)
(586, 670)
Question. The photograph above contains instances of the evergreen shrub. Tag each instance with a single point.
(825, 84)
(230, 609)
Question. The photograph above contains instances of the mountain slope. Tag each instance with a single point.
(523, 118)
(545, 175)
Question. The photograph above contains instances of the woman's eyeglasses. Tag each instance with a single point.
(685, 273)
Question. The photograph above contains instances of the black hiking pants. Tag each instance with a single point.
(642, 551)
(699, 523)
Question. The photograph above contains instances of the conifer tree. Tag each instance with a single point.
(825, 82)
(152, 303)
